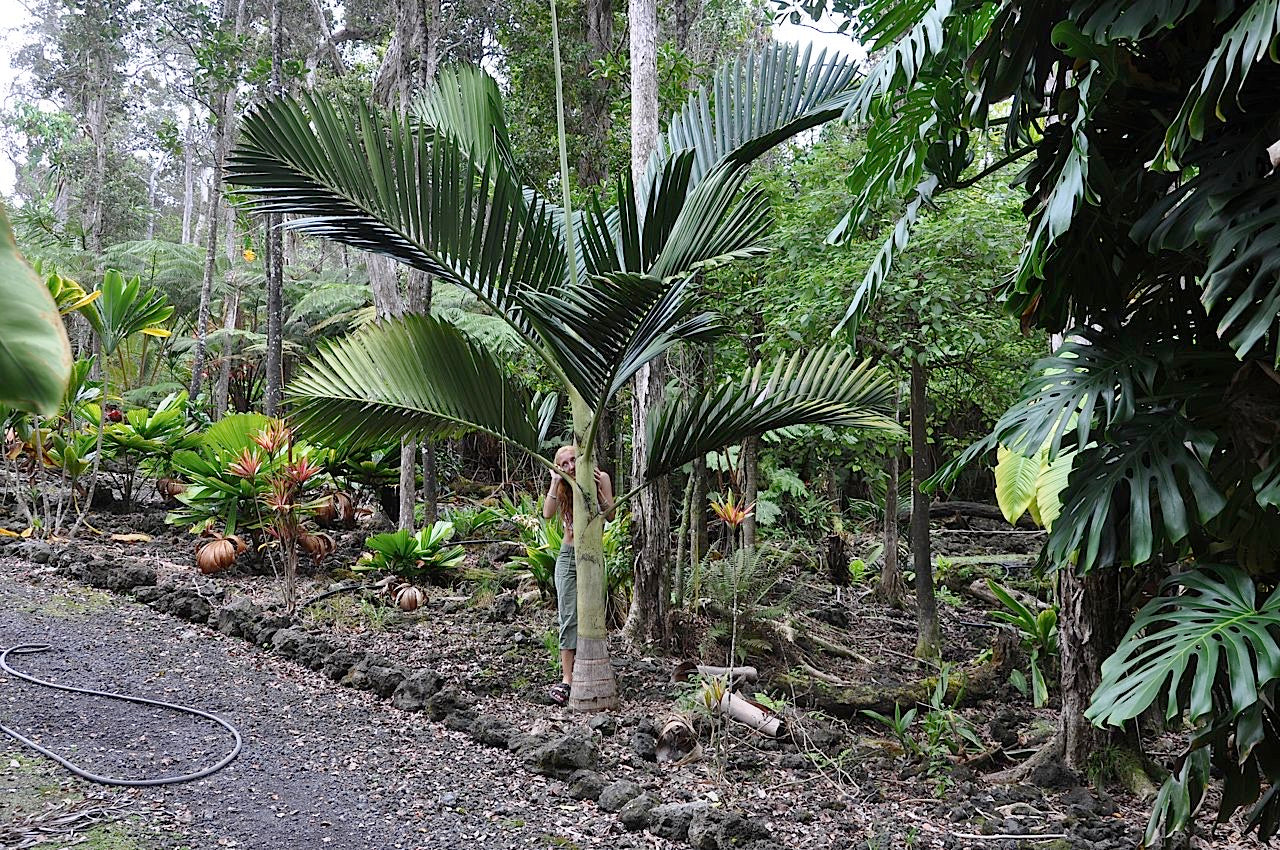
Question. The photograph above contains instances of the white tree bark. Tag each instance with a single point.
(651, 508)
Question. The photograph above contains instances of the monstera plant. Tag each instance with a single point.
(593, 295)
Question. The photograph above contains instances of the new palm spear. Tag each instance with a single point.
(438, 190)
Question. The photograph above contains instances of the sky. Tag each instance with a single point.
(14, 16)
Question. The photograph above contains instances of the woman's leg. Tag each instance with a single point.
(567, 609)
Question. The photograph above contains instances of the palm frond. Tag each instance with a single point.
(601, 332)
(391, 186)
(465, 103)
(126, 309)
(414, 376)
(752, 104)
(916, 30)
(824, 387)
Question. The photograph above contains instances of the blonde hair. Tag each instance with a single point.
(564, 493)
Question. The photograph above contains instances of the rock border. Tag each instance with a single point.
(571, 756)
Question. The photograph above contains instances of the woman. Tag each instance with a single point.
(559, 501)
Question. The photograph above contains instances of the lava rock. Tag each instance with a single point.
(264, 627)
(586, 785)
(615, 796)
(635, 814)
(314, 653)
(445, 702)
(232, 619)
(460, 721)
(502, 551)
(149, 595)
(715, 829)
(413, 692)
(289, 642)
(374, 673)
(129, 576)
(645, 744)
(505, 608)
(36, 551)
(1002, 734)
(338, 664)
(1054, 775)
(672, 820)
(605, 724)
(491, 731)
(561, 756)
(94, 573)
(185, 605)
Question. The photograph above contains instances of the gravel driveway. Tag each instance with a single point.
(322, 766)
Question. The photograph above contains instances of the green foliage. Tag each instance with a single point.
(471, 521)
(414, 557)
(542, 546)
(125, 309)
(1039, 634)
(738, 588)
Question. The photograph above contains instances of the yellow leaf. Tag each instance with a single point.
(160, 332)
(85, 301)
(137, 537)
(4, 532)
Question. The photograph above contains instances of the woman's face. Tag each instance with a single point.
(568, 461)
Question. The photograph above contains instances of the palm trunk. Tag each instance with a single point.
(594, 685)
(222, 392)
(929, 635)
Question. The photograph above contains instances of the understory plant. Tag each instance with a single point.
(1038, 632)
(542, 546)
(424, 556)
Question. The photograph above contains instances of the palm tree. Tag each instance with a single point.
(437, 190)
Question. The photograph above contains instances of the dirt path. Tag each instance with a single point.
(322, 766)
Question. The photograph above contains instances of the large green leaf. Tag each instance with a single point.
(413, 376)
(825, 387)
(1016, 478)
(1252, 38)
(35, 356)
(1154, 466)
(1212, 630)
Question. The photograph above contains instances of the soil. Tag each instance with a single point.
(326, 765)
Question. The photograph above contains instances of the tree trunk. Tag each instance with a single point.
(891, 588)
(225, 128)
(750, 469)
(929, 636)
(230, 316)
(189, 181)
(274, 363)
(651, 509)
(1088, 632)
(593, 159)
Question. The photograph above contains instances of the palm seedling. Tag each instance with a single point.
(593, 295)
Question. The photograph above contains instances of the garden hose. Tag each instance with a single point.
(33, 648)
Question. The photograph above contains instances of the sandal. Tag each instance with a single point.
(559, 693)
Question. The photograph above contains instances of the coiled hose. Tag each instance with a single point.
(33, 648)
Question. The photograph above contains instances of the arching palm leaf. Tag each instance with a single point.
(825, 387)
(412, 376)
(390, 186)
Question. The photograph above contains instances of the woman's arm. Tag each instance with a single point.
(550, 502)
(604, 492)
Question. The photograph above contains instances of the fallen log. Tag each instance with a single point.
(966, 684)
(685, 669)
